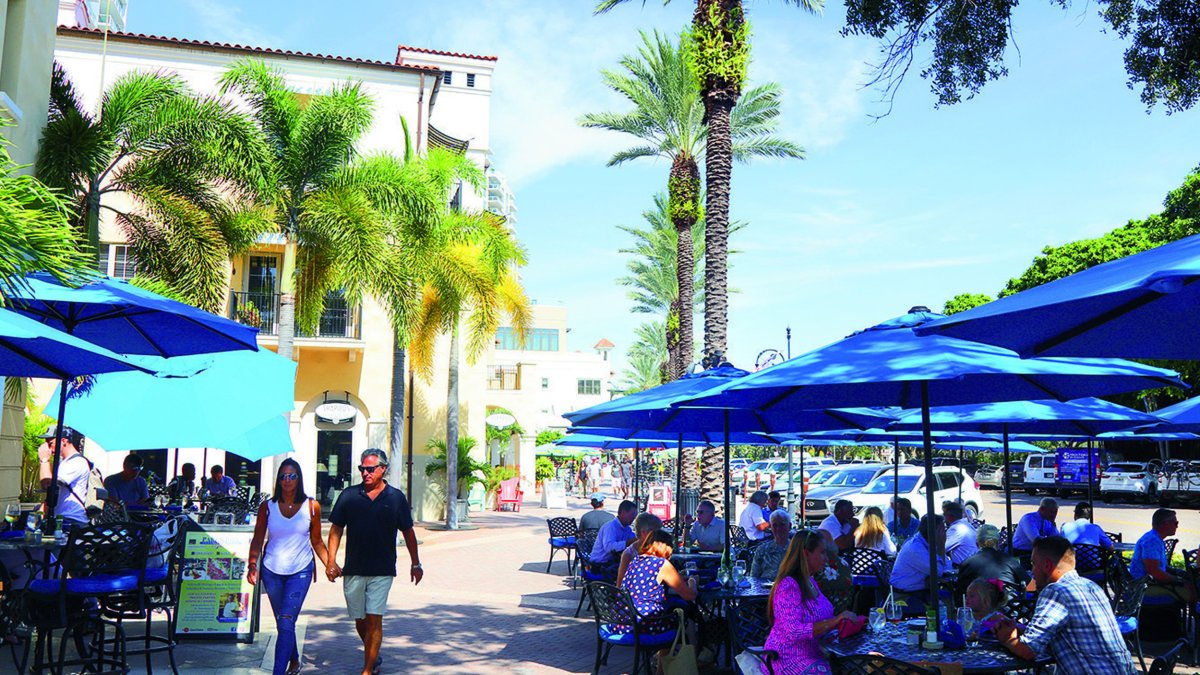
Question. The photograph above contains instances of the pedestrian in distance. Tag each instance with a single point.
(371, 514)
(290, 522)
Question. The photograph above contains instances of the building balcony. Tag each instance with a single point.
(341, 320)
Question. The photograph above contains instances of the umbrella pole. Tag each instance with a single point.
(52, 491)
(803, 483)
(1091, 475)
(637, 473)
(1007, 492)
(930, 537)
(679, 490)
(960, 469)
(791, 450)
(725, 471)
(895, 484)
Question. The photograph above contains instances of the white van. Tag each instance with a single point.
(1041, 473)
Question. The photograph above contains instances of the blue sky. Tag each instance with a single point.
(884, 214)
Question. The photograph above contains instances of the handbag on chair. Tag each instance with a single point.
(680, 659)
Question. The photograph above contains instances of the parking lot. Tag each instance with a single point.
(1131, 520)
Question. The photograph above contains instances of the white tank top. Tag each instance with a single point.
(289, 549)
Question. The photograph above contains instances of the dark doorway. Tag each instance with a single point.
(333, 464)
(241, 470)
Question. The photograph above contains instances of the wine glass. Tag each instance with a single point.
(690, 569)
(966, 619)
(11, 513)
(895, 612)
(876, 619)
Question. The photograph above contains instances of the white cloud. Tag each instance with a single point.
(224, 22)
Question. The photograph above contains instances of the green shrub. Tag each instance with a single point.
(544, 470)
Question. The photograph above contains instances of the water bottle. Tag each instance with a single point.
(32, 524)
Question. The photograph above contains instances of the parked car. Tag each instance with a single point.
(994, 476)
(737, 466)
(1041, 473)
(947, 479)
(1129, 479)
(819, 501)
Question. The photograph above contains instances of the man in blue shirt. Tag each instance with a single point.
(910, 573)
(1073, 621)
(1083, 531)
(1040, 523)
(960, 536)
(1150, 558)
(220, 485)
(612, 538)
(900, 521)
(128, 485)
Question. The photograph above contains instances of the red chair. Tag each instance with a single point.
(510, 493)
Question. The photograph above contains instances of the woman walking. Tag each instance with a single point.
(291, 523)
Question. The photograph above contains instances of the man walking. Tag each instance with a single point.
(371, 514)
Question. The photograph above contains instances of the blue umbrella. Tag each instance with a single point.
(127, 319)
(1183, 416)
(1141, 306)
(1086, 416)
(272, 437)
(212, 408)
(889, 365)
(29, 349)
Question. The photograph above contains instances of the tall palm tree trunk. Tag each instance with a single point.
(452, 433)
(683, 197)
(712, 477)
(92, 219)
(396, 410)
(718, 162)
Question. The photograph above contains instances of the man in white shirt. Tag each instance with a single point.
(840, 525)
(1083, 531)
(1040, 523)
(960, 536)
(751, 518)
(73, 471)
(593, 473)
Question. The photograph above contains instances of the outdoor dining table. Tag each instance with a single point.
(716, 600)
(891, 640)
(1123, 546)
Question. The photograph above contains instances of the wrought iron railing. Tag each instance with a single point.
(340, 320)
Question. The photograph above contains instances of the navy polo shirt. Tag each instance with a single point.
(371, 527)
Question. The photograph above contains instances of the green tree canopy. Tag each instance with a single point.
(969, 40)
(964, 301)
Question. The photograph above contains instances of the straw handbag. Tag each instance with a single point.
(680, 659)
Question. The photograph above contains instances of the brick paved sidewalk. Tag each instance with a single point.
(486, 605)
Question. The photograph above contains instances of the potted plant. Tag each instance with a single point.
(543, 471)
(249, 315)
(493, 477)
(470, 471)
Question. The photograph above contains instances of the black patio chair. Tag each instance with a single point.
(1020, 606)
(159, 594)
(225, 510)
(1170, 545)
(102, 561)
(1126, 607)
(1092, 562)
(562, 538)
(1165, 664)
(618, 623)
(1002, 542)
(1116, 537)
(585, 540)
(870, 664)
(751, 629)
(864, 564)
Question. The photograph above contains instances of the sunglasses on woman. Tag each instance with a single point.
(289, 476)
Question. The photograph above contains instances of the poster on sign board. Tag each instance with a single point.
(215, 601)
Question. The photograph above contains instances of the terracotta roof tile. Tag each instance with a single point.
(461, 55)
(142, 37)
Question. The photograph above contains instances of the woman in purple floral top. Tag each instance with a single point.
(797, 611)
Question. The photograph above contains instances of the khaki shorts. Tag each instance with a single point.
(366, 595)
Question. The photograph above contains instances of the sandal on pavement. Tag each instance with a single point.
(378, 664)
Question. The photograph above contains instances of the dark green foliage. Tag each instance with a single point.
(969, 39)
(548, 436)
(964, 301)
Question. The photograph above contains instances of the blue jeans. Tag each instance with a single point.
(287, 593)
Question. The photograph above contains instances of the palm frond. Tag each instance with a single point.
(326, 136)
(272, 103)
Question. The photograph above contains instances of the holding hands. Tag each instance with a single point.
(332, 571)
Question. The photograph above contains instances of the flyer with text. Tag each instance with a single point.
(214, 598)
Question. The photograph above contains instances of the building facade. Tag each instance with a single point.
(539, 381)
(345, 366)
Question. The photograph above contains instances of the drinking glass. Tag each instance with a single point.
(691, 569)
(966, 619)
(876, 619)
(739, 571)
(895, 613)
(11, 513)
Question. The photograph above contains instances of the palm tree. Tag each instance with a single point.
(468, 470)
(668, 117)
(647, 358)
(651, 269)
(718, 54)
(334, 208)
(481, 284)
(187, 166)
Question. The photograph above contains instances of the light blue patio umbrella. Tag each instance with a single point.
(229, 400)
(1140, 306)
(889, 365)
(1087, 417)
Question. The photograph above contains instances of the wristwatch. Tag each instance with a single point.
(416, 566)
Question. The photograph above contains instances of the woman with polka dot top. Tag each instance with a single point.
(647, 579)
